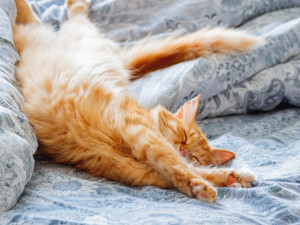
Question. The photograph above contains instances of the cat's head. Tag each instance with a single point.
(182, 131)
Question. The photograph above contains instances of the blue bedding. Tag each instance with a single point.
(17, 139)
(249, 105)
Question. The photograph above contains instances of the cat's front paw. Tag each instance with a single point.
(241, 178)
(196, 187)
(203, 192)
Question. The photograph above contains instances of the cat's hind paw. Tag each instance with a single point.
(76, 7)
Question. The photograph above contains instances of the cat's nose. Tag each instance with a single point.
(254, 183)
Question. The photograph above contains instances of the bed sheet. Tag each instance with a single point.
(268, 143)
(17, 139)
(230, 86)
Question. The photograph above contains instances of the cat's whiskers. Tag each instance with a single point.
(205, 121)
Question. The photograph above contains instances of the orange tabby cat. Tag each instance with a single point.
(74, 82)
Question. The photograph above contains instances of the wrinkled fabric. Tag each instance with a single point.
(268, 143)
(228, 84)
(17, 139)
(267, 79)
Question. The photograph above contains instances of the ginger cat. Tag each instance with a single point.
(74, 82)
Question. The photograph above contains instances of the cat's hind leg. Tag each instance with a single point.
(24, 13)
(78, 7)
(26, 22)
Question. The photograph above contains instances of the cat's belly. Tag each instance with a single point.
(64, 89)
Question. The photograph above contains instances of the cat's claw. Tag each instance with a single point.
(241, 178)
(254, 183)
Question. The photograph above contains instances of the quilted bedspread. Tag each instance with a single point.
(250, 104)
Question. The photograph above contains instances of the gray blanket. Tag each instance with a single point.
(261, 80)
(17, 139)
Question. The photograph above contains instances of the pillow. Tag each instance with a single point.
(17, 139)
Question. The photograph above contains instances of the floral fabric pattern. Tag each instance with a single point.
(249, 105)
(17, 139)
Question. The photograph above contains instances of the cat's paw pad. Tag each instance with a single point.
(203, 192)
(241, 178)
(194, 186)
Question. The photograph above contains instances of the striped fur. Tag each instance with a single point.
(74, 82)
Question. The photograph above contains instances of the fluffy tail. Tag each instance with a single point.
(146, 57)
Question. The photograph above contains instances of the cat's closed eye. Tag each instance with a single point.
(185, 137)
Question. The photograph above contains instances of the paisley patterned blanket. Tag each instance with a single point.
(250, 105)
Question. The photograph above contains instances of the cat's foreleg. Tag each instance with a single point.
(148, 146)
(111, 164)
(227, 177)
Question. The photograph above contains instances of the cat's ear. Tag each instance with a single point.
(189, 110)
(220, 156)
